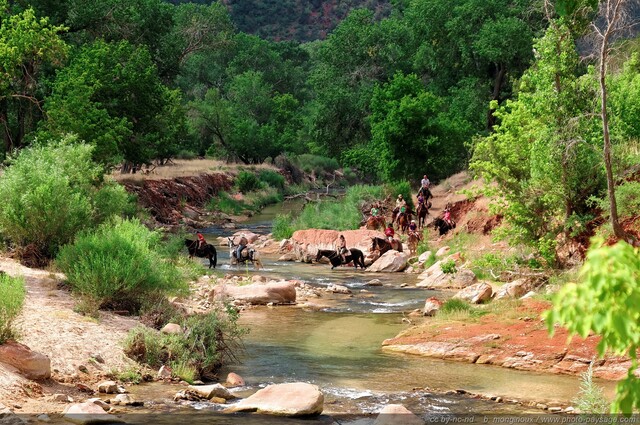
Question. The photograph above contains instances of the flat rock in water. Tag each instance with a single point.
(292, 399)
(272, 292)
(89, 413)
(397, 414)
(210, 391)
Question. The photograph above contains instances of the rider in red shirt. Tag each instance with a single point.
(389, 232)
(201, 241)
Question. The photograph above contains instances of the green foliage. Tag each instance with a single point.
(272, 178)
(544, 154)
(261, 198)
(51, 192)
(591, 399)
(396, 188)
(627, 200)
(211, 338)
(119, 265)
(12, 295)
(454, 305)
(225, 203)
(448, 267)
(317, 164)
(247, 181)
(282, 228)
(609, 275)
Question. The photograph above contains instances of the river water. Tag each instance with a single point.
(338, 348)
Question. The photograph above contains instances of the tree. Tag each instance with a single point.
(411, 135)
(26, 45)
(613, 22)
(110, 95)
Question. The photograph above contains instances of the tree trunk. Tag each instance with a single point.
(501, 71)
(4, 124)
(615, 223)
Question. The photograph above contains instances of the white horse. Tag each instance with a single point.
(247, 254)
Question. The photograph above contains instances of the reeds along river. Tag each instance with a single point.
(338, 348)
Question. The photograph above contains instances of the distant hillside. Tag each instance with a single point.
(302, 20)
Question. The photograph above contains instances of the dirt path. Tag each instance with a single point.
(49, 325)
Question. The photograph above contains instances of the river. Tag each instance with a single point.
(338, 348)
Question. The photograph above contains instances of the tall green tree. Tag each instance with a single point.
(110, 95)
(27, 44)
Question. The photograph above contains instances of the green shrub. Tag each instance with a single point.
(119, 265)
(226, 204)
(591, 399)
(448, 267)
(454, 305)
(50, 193)
(11, 299)
(261, 198)
(247, 182)
(272, 178)
(316, 164)
(211, 339)
(282, 228)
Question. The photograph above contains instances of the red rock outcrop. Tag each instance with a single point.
(169, 201)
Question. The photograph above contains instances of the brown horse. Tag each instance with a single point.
(414, 238)
(403, 221)
(383, 245)
(375, 223)
(422, 212)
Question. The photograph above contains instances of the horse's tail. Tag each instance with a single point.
(215, 258)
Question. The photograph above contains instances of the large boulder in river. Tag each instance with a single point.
(31, 364)
(390, 261)
(89, 413)
(476, 294)
(397, 414)
(292, 399)
(257, 293)
(306, 243)
(435, 278)
(251, 237)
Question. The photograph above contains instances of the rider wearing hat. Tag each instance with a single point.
(401, 206)
(413, 226)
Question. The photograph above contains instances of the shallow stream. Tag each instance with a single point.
(338, 348)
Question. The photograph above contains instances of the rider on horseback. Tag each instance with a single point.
(447, 215)
(342, 248)
(413, 227)
(375, 210)
(201, 241)
(241, 245)
(401, 207)
(389, 232)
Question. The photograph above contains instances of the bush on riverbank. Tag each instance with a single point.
(197, 353)
(118, 266)
(50, 193)
(12, 294)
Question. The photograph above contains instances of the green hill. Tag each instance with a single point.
(301, 20)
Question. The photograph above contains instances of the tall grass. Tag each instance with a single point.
(591, 398)
(12, 295)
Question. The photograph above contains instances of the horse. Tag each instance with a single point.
(404, 220)
(414, 238)
(426, 193)
(442, 226)
(382, 245)
(422, 212)
(336, 259)
(207, 251)
(247, 254)
(375, 223)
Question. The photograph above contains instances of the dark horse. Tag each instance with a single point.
(404, 220)
(382, 245)
(336, 259)
(442, 226)
(422, 212)
(207, 251)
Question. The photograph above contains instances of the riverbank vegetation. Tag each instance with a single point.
(12, 295)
